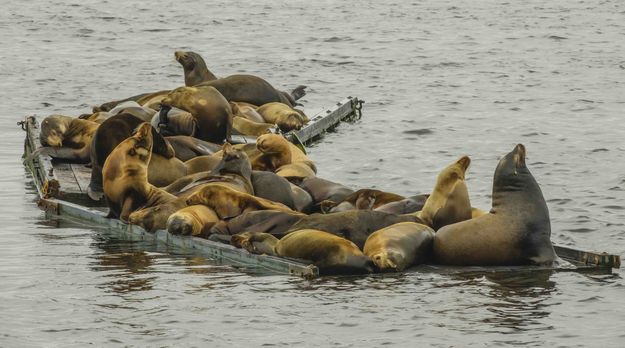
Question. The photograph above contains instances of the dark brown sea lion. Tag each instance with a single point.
(330, 253)
(449, 202)
(407, 205)
(516, 231)
(195, 70)
(363, 199)
(195, 220)
(239, 88)
(65, 137)
(284, 116)
(210, 109)
(125, 176)
(273, 187)
(115, 130)
(399, 246)
(171, 121)
(322, 189)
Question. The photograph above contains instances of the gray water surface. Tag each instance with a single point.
(441, 79)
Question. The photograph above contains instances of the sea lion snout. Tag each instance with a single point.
(519, 154)
(464, 162)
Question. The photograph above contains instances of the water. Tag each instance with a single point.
(441, 79)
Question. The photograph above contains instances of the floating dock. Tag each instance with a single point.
(62, 189)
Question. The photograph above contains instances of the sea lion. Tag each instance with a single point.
(302, 199)
(210, 109)
(195, 70)
(115, 130)
(274, 152)
(273, 187)
(282, 115)
(195, 220)
(233, 172)
(516, 231)
(247, 111)
(125, 176)
(239, 88)
(399, 246)
(330, 253)
(229, 203)
(364, 199)
(65, 137)
(449, 202)
(135, 109)
(407, 205)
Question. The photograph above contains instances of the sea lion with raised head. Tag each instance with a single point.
(238, 88)
(516, 231)
(330, 253)
(125, 176)
(399, 246)
(449, 202)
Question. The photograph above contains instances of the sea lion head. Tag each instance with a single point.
(188, 59)
(152, 218)
(388, 261)
(512, 173)
(139, 145)
(290, 121)
(53, 129)
(234, 161)
(272, 144)
(182, 223)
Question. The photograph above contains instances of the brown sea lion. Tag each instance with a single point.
(195, 220)
(210, 109)
(449, 202)
(407, 205)
(273, 187)
(239, 88)
(302, 199)
(171, 121)
(399, 246)
(330, 253)
(135, 109)
(229, 203)
(233, 172)
(65, 137)
(115, 130)
(516, 231)
(282, 115)
(195, 70)
(364, 199)
(274, 152)
(125, 176)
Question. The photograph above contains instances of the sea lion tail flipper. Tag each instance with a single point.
(298, 92)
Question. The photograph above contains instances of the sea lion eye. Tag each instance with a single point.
(132, 152)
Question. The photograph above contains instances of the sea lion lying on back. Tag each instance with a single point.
(363, 199)
(125, 176)
(284, 116)
(65, 137)
(239, 88)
